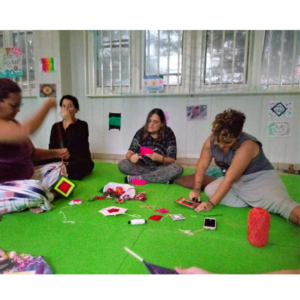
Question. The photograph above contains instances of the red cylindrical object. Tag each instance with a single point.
(258, 226)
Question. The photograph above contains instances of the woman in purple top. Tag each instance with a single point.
(18, 190)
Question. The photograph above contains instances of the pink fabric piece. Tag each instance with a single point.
(145, 150)
(162, 210)
(138, 181)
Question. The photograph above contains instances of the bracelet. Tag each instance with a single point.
(211, 203)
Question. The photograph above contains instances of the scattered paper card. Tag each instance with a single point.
(177, 217)
(162, 210)
(155, 217)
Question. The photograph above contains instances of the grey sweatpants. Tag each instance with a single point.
(152, 174)
(262, 189)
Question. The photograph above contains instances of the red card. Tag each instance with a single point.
(155, 218)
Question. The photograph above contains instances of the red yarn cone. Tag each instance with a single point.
(258, 226)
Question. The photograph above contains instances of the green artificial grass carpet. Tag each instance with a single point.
(95, 244)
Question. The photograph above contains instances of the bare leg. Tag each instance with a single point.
(295, 216)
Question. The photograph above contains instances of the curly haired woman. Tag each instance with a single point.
(250, 179)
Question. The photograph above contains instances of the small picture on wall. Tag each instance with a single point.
(279, 129)
(281, 109)
(198, 112)
(114, 121)
(47, 90)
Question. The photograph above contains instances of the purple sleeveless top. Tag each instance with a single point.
(15, 162)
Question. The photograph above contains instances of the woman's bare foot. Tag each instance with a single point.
(36, 210)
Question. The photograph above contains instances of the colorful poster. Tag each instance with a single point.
(48, 65)
(47, 90)
(279, 129)
(281, 109)
(153, 83)
(198, 112)
(11, 62)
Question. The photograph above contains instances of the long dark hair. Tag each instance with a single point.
(161, 132)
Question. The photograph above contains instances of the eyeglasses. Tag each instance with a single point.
(16, 105)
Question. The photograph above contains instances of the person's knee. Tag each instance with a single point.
(123, 166)
(179, 171)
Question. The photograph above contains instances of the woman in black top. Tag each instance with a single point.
(72, 133)
(158, 167)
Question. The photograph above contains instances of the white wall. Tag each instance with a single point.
(46, 44)
(190, 135)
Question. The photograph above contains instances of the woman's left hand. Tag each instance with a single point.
(155, 157)
(204, 206)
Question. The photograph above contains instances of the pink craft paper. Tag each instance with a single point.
(138, 181)
(162, 210)
(145, 150)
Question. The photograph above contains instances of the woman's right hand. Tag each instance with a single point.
(65, 114)
(134, 158)
(195, 194)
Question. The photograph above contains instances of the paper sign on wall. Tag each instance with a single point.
(153, 83)
(47, 90)
(198, 112)
(114, 121)
(281, 109)
(279, 129)
(48, 65)
(11, 62)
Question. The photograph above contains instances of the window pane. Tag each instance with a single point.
(272, 53)
(108, 57)
(297, 61)
(218, 51)
(164, 45)
(19, 41)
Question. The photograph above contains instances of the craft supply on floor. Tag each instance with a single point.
(141, 196)
(155, 217)
(258, 226)
(64, 216)
(138, 181)
(162, 210)
(137, 222)
(153, 269)
(75, 202)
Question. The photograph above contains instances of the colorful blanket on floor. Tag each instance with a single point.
(12, 262)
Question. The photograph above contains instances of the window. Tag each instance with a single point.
(226, 57)
(281, 58)
(113, 58)
(25, 40)
(163, 55)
